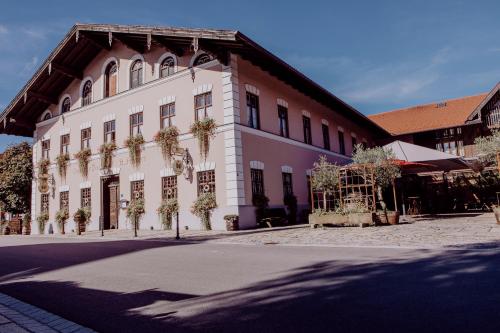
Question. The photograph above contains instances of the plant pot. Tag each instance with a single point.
(328, 218)
(496, 210)
(232, 224)
(361, 218)
(26, 230)
(79, 226)
(393, 217)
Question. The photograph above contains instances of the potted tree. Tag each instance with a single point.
(385, 172)
(81, 218)
(62, 216)
(325, 179)
(42, 220)
(135, 211)
(232, 222)
(489, 153)
(167, 209)
(26, 224)
(202, 208)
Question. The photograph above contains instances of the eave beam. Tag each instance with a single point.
(172, 46)
(42, 97)
(70, 72)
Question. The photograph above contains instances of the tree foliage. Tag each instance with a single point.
(16, 170)
(489, 147)
(325, 176)
(385, 169)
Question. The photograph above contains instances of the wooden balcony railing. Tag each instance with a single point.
(493, 118)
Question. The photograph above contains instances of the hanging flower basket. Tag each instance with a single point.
(43, 167)
(62, 164)
(133, 143)
(83, 157)
(168, 140)
(204, 130)
(106, 152)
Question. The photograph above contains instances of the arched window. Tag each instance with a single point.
(167, 67)
(47, 116)
(87, 93)
(111, 79)
(66, 105)
(201, 59)
(136, 74)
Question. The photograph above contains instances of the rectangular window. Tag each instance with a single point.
(85, 135)
(85, 198)
(65, 144)
(306, 123)
(169, 187)
(326, 136)
(136, 124)
(287, 184)
(137, 190)
(167, 113)
(341, 143)
(109, 131)
(44, 207)
(206, 181)
(64, 200)
(283, 119)
(253, 110)
(202, 105)
(45, 149)
(257, 177)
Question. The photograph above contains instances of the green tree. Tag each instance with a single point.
(16, 170)
(325, 178)
(385, 170)
(489, 148)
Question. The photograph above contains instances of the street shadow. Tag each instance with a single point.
(453, 291)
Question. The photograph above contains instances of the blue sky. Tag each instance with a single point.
(376, 55)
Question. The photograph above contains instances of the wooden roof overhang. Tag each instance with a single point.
(84, 41)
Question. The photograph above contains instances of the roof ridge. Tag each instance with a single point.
(428, 104)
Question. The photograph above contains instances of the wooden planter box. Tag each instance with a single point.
(392, 218)
(361, 219)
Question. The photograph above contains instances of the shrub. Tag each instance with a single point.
(42, 220)
(203, 206)
(167, 208)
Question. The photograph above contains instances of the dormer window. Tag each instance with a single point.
(167, 67)
(66, 105)
(111, 79)
(87, 93)
(201, 59)
(136, 74)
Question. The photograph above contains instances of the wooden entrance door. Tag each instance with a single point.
(110, 202)
(113, 205)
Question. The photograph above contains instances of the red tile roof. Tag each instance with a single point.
(449, 113)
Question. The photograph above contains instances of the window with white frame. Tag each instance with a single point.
(136, 123)
(202, 104)
(167, 113)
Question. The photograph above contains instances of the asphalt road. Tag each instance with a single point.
(154, 286)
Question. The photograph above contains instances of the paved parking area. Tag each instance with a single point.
(477, 230)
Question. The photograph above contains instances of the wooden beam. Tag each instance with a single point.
(96, 42)
(70, 72)
(220, 53)
(132, 46)
(42, 97)
(171, 46)
(20, 124)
